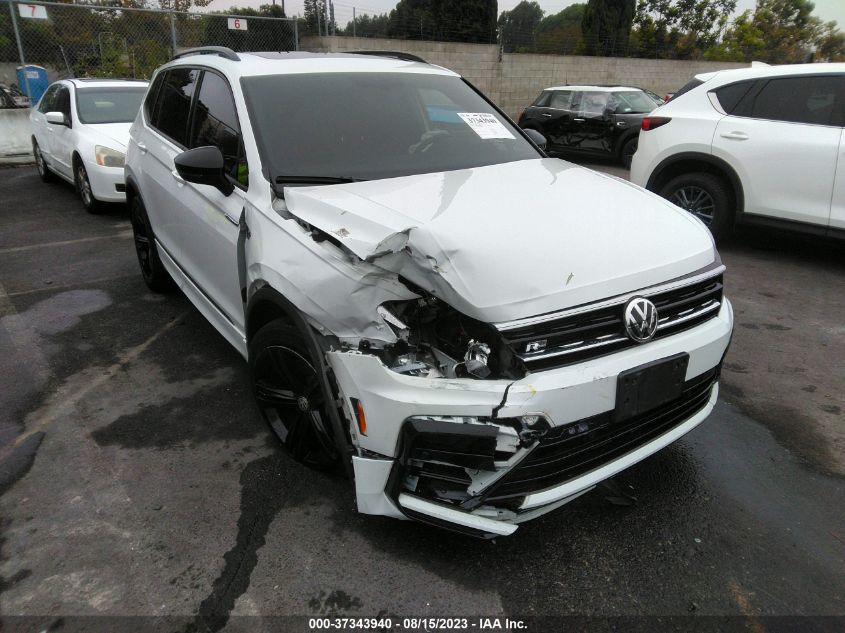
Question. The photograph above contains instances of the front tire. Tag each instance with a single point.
(707, 197)
(288, 390)
(83, 188)
(40, 164)
(153, 271)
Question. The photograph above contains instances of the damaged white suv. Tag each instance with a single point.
(475, 332)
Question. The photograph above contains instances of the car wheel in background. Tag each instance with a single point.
(40, 164)
(290, 396)
(155, 275)
(83, 187)
(706, 196)
(628, 151)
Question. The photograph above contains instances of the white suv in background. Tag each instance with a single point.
(418, 290)
(757, 144)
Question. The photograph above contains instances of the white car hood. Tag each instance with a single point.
(508, 241)
(114, 135)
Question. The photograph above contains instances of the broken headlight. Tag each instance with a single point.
(436, 341)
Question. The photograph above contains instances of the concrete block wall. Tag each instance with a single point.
(514, 80)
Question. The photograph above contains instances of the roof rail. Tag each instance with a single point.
(408, 57)
(224, 52)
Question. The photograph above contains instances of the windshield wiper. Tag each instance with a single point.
(315, 180)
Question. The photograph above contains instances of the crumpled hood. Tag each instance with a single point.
(114, 135)
(508, 241)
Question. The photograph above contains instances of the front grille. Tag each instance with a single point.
(567, 452)
(582, 334)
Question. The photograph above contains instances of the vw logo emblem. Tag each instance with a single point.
(640, 319)
(303, 404)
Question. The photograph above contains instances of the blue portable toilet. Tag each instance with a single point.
(36, 77)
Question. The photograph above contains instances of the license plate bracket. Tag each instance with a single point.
(648, 386)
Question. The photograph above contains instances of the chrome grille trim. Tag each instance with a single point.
(617, 300)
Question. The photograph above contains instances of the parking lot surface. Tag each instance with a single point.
(137, 477)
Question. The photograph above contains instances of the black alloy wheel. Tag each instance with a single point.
(289, 393)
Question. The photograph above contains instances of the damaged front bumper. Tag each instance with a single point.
(482, 456)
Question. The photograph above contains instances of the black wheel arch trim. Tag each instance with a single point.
(266, 294)
(707, 159)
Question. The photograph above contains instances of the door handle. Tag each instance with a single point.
(546, 114)
(179, 180)
(735, 136)
(141, 147)
(579, 120)
(621, 124)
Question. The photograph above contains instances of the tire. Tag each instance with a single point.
(152, 270)
(289, 394)
(40, 164)
(706, 196)
(629, 148)
(83, 188)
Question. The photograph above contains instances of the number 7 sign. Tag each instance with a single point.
(33, 11)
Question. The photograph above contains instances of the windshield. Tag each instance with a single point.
(631, 102)
(109, 105)
(367, 126)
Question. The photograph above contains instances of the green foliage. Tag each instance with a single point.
(679, 29)
(260, 35)
(606, 26)
(444, 20)
(780, 32)
(560, 33)
(367, 26)
(518, 27)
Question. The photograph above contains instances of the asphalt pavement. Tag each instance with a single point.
(138, 479)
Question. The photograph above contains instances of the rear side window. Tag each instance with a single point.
(216, 123)
(693, 83)
(173, 105)
(731, 95)
(543, 100)
(798, 100)
(561, 99)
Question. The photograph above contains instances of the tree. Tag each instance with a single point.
(560, 34)
(679, 29)
(368, 26)
(606, 26)
(274, 35)
(780, 32)
(517, 27)
(444, 20)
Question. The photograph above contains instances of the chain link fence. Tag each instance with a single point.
(76, 40)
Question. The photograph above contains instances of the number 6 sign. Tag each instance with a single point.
(237, 24)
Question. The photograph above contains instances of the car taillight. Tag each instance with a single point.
(519, 116)
(653, 122)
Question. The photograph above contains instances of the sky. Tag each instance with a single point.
(825, 9)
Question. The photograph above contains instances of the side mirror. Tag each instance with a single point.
(204, 166)
(57, 118)
(539, 139)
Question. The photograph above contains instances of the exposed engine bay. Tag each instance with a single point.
(437, 341)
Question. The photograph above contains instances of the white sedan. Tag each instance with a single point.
(80, 130)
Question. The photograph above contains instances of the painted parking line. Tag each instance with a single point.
(122, 235)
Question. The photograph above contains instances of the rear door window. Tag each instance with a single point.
(173, 106)
(810, 100)
(542, 101)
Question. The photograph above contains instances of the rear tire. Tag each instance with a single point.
(289, 394)
(706, 196)
(43, 171)
(153, 271)
(626, 155)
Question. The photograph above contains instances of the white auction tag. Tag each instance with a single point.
(237, 24)
(485, 125)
